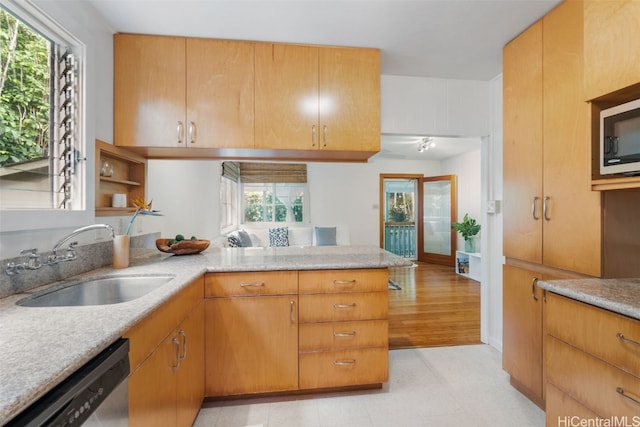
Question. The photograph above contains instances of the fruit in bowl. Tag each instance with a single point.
(181, 246)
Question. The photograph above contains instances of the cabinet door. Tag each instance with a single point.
(152, 392)
(220, 94)
(522, 166)
(612, 46)
(349, 99)
(190, 374)
(286, 104)
(251, 345)
(149, 90)
(572, 233)
(522, 328)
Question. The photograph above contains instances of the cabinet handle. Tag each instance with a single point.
(179, 130)
(337, 306)
(534, 208)
(621, 337)
(344, 334)
(193, 132)
(621, 392)
(184, 345)
(344, 282)
(292, 316)
(324, 135)
(344, 362)
(545, 209)
(313, 135)
(177, 344)
(252, 285)
(533, 288)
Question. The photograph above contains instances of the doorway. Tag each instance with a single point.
(399, 210)
(437, 211)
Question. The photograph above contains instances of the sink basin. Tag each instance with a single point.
(98, 291)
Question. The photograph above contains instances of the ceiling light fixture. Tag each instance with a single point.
(425, 144)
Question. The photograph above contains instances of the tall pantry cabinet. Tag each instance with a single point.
(551, 217)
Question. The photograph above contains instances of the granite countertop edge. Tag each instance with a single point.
(621, 296)
(74, 335)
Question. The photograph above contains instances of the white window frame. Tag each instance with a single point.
(229, 202)
(305, 208)
(38, 219)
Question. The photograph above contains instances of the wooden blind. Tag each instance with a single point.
(273, 172)
(231, 170)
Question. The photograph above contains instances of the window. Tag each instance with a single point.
(40, 114)
(258, 193)
(273, 202)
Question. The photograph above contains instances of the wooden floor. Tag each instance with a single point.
(435, 307)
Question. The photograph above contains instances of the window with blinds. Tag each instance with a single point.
(269, 192)
(39, 116)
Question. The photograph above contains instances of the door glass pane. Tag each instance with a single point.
(399, 217)
(437, 217)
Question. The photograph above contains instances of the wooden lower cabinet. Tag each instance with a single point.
(522, 331)
(166, 386)
(295, 330)
(593, 365)
(251, 345)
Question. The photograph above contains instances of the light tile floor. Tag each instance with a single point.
(437, 387)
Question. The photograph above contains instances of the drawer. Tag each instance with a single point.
(326, 281)
(251, 283)
(561, 409)
(596, 332)
(348, 306)
(340, 335)
(590, 381)
(343, 368)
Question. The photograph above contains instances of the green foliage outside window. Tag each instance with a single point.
(24, 92)
(261, 206)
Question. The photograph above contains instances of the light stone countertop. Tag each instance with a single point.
(42, 346)
(618, 295)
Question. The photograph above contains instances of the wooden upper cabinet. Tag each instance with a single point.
(522, 168)
(180, 92)
(349, 99)
(286, 104)
(317, 98)
(220, 93)
(572, 226)
(611, 46)
(149, 90)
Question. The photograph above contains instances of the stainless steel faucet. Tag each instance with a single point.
(54, 258)
(34, 262)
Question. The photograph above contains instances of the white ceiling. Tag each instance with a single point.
(450, 39)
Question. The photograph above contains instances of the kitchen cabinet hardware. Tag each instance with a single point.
(313, 135)
(534, 282)
(340, 306)
(252, 285)
(626, 395)
(324, 135)
(545, 208)
(179, 129)
(183, 354)
(291, 311)
(621, 337)
(176, 342)
(344, 362)
(192, 132)
(534, 208)
(344, 282)
(344, 334)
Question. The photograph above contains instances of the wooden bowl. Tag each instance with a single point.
(183, 247)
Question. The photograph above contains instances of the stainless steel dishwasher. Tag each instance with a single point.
(94, 395)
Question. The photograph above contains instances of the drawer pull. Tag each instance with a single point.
(292, 317)
(184, 345)
(252, 285)
(345, 362)
(534, 282)
(621, 337)
(344, 334)
(621, 392)
(344, 282)
(175, 342)
(339, 306)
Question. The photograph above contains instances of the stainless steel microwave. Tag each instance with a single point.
(620, 139)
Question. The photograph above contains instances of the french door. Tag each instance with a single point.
(437, 209)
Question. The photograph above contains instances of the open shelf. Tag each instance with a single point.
(128, 173)
(468, 264)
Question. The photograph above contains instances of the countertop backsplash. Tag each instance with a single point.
(89, 257)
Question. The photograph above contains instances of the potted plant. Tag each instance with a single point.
(468, 228)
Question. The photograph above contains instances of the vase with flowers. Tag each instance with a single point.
(121, 241)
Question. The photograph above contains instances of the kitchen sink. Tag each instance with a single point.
(98, 291)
